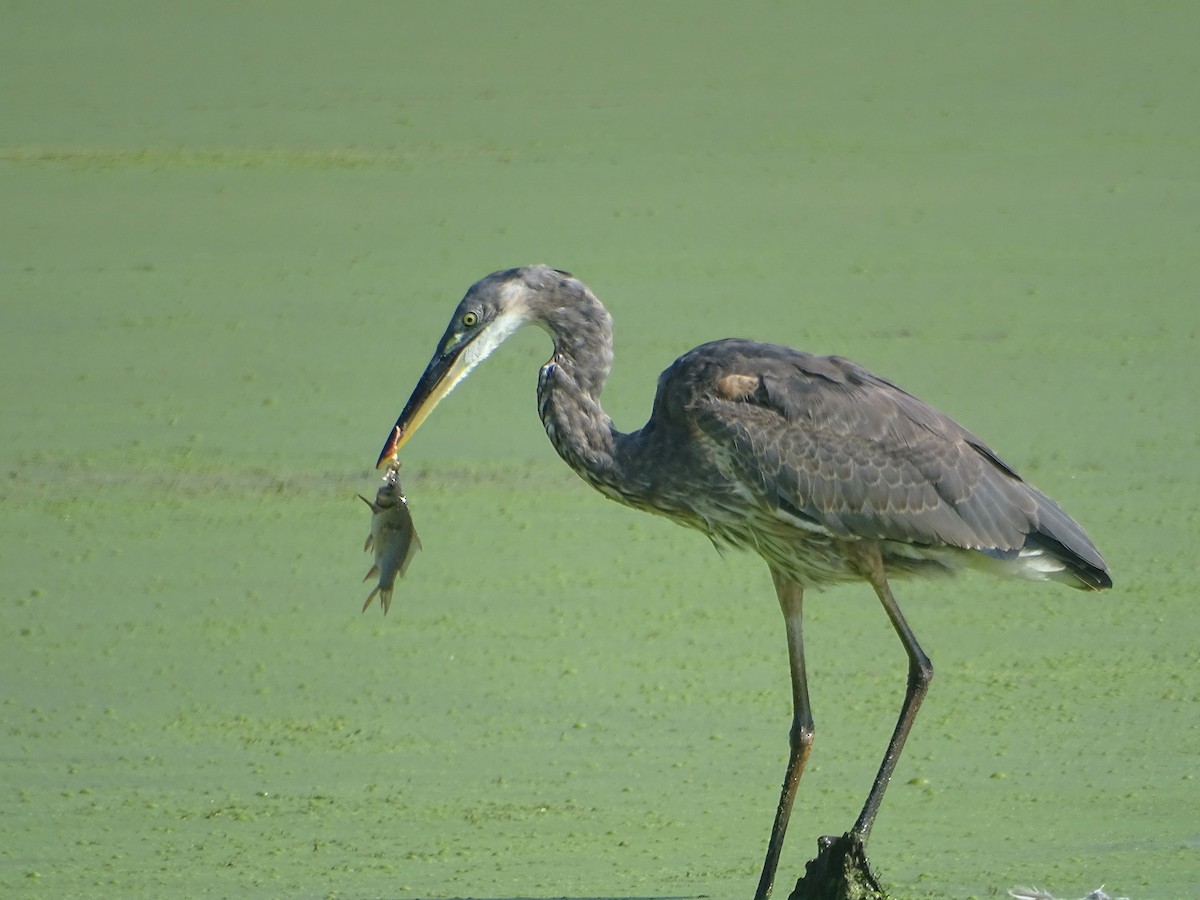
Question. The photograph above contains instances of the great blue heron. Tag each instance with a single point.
(828, 472)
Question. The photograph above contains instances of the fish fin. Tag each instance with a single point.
(374, 508)
(370, 543)
(370, 597)
(385, 599)
(413, 547)
(412, 551)
(371, 574)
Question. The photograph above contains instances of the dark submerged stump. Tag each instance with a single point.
(840, 872)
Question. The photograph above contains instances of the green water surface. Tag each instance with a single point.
(230, 235)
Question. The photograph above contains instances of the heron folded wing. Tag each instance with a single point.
(824, 437)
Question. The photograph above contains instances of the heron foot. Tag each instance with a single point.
(839, 872)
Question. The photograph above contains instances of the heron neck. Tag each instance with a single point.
(569, 388)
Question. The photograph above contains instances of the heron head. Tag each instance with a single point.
(493, 308)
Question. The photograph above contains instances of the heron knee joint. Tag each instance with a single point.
(801, 735)
(920, 673)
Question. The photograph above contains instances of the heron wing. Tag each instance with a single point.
(823, 439)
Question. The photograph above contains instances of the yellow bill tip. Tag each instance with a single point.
(390, 448)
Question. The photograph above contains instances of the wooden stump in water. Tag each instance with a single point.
(840, 872)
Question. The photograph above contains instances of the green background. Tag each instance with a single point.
(230, 234)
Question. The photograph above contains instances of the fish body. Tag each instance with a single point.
(393, 537)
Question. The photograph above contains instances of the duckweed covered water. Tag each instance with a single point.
(231, 237)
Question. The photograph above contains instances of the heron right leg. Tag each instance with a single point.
(791, 601)
(920, 674)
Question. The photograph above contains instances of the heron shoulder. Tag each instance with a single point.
(821, 391)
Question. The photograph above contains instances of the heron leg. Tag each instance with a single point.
(791, 601)
(920, 674)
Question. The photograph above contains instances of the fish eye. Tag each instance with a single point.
(470, 319)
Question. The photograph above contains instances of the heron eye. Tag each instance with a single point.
(470, 319)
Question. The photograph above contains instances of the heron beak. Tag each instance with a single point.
(456, 356)
(444, 371)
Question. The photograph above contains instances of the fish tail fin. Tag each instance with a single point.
(370, 597)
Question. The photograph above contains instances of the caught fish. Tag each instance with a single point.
(393, 537)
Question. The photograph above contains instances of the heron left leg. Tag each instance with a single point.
(791, 601)
(920, 674)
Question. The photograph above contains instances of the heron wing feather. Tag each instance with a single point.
(852, 451)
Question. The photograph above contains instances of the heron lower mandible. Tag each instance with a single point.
(829, 473)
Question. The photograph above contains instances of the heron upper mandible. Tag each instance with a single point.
(829, 473)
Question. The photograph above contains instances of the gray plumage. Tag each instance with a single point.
(828, 472)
